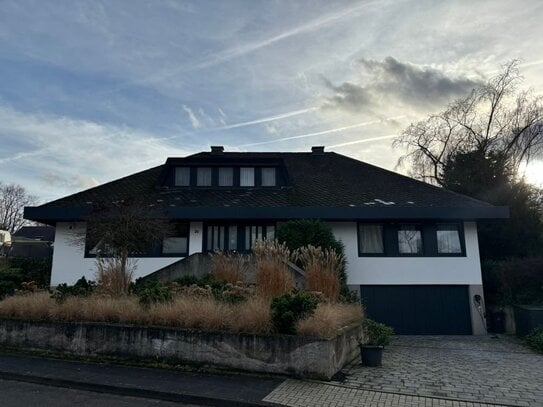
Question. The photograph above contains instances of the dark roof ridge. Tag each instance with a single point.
(412, 179)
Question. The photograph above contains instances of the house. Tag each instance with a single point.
(411, 248)
(5, 242)
(32, 241)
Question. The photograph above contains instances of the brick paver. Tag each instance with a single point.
(432, 371)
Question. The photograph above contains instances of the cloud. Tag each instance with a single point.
(392, 82)
(74, 182)
(320, 133)
(192, 117)
(268, 119)
(55, 155)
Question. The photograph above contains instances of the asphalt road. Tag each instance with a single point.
(21, 394)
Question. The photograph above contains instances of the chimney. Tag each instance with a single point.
(217, 149)
(317, 149)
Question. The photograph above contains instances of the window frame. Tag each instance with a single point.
(363, 254)
(254, 177)
(429, 238)
(198, 169)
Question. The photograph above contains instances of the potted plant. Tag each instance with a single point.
(377, 337)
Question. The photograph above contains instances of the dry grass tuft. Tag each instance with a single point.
(329, 318)
(229, 267)
(272, 275)
(111, 278)
(195, 312)
(322, 269)
(35, 306)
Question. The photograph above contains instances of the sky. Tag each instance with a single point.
(91, 91)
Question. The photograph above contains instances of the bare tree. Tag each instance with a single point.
(13, 199)
(123, 229)
(495, 118)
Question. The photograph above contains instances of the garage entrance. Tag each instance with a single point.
(419, 309)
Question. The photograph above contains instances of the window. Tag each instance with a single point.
(409, 239)
(236, 236)
(448, 239)
(247, 177)
(370, 239)
(182, 176)
(268, 177)
(178, 242)
(226, 177)
(203, 178)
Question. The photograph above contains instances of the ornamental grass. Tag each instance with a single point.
(322, 269)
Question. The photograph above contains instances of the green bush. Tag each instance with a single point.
(298, 233)
(34, 269)
(154, 292)
(535, 339)
(514, 281)
(377, 334)
(288, 309)
(10, 280)
(82, 288)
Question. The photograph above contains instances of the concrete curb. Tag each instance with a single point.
(131, 391)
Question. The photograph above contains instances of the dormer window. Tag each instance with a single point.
(247, 177)
(182, 176)
(203, 177)
(268, 177)
(226, 176)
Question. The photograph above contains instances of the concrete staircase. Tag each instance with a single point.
(199, 265)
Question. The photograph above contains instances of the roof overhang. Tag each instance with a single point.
(50, 215)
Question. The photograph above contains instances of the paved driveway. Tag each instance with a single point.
(484, 369)
(432, 371)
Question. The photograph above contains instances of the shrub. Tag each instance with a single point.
(304, 232)
(33, 269)
(329, 318)
(322, 269)
(377, 334)
(272, 275)
(288, 309)
(229, 267)
(535, 339)
(154, 292)
(514, 281)
(10, 281)
(82, 288)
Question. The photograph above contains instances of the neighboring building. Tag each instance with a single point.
(33, 241)
(411, 247)
(5, 242)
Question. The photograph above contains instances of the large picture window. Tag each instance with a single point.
(410, 239)
(448, 239)
(370, 238)
(178, 243)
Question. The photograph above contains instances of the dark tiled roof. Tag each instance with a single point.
(43, 233)
(315, 180)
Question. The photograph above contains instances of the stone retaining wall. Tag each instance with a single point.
(279, 354)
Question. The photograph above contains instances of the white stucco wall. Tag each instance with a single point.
(70, 264)
(410, 270)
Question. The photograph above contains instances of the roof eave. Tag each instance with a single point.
(50, 215)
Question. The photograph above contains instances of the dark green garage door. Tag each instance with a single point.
(419, 309)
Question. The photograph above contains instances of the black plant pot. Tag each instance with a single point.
(371, 355)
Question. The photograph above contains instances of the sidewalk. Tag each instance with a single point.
(194, 388)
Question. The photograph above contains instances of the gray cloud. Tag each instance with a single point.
(391, 82)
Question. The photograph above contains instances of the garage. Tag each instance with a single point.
(419, 309)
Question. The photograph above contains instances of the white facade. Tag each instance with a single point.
(410, 270)
(70, 264)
